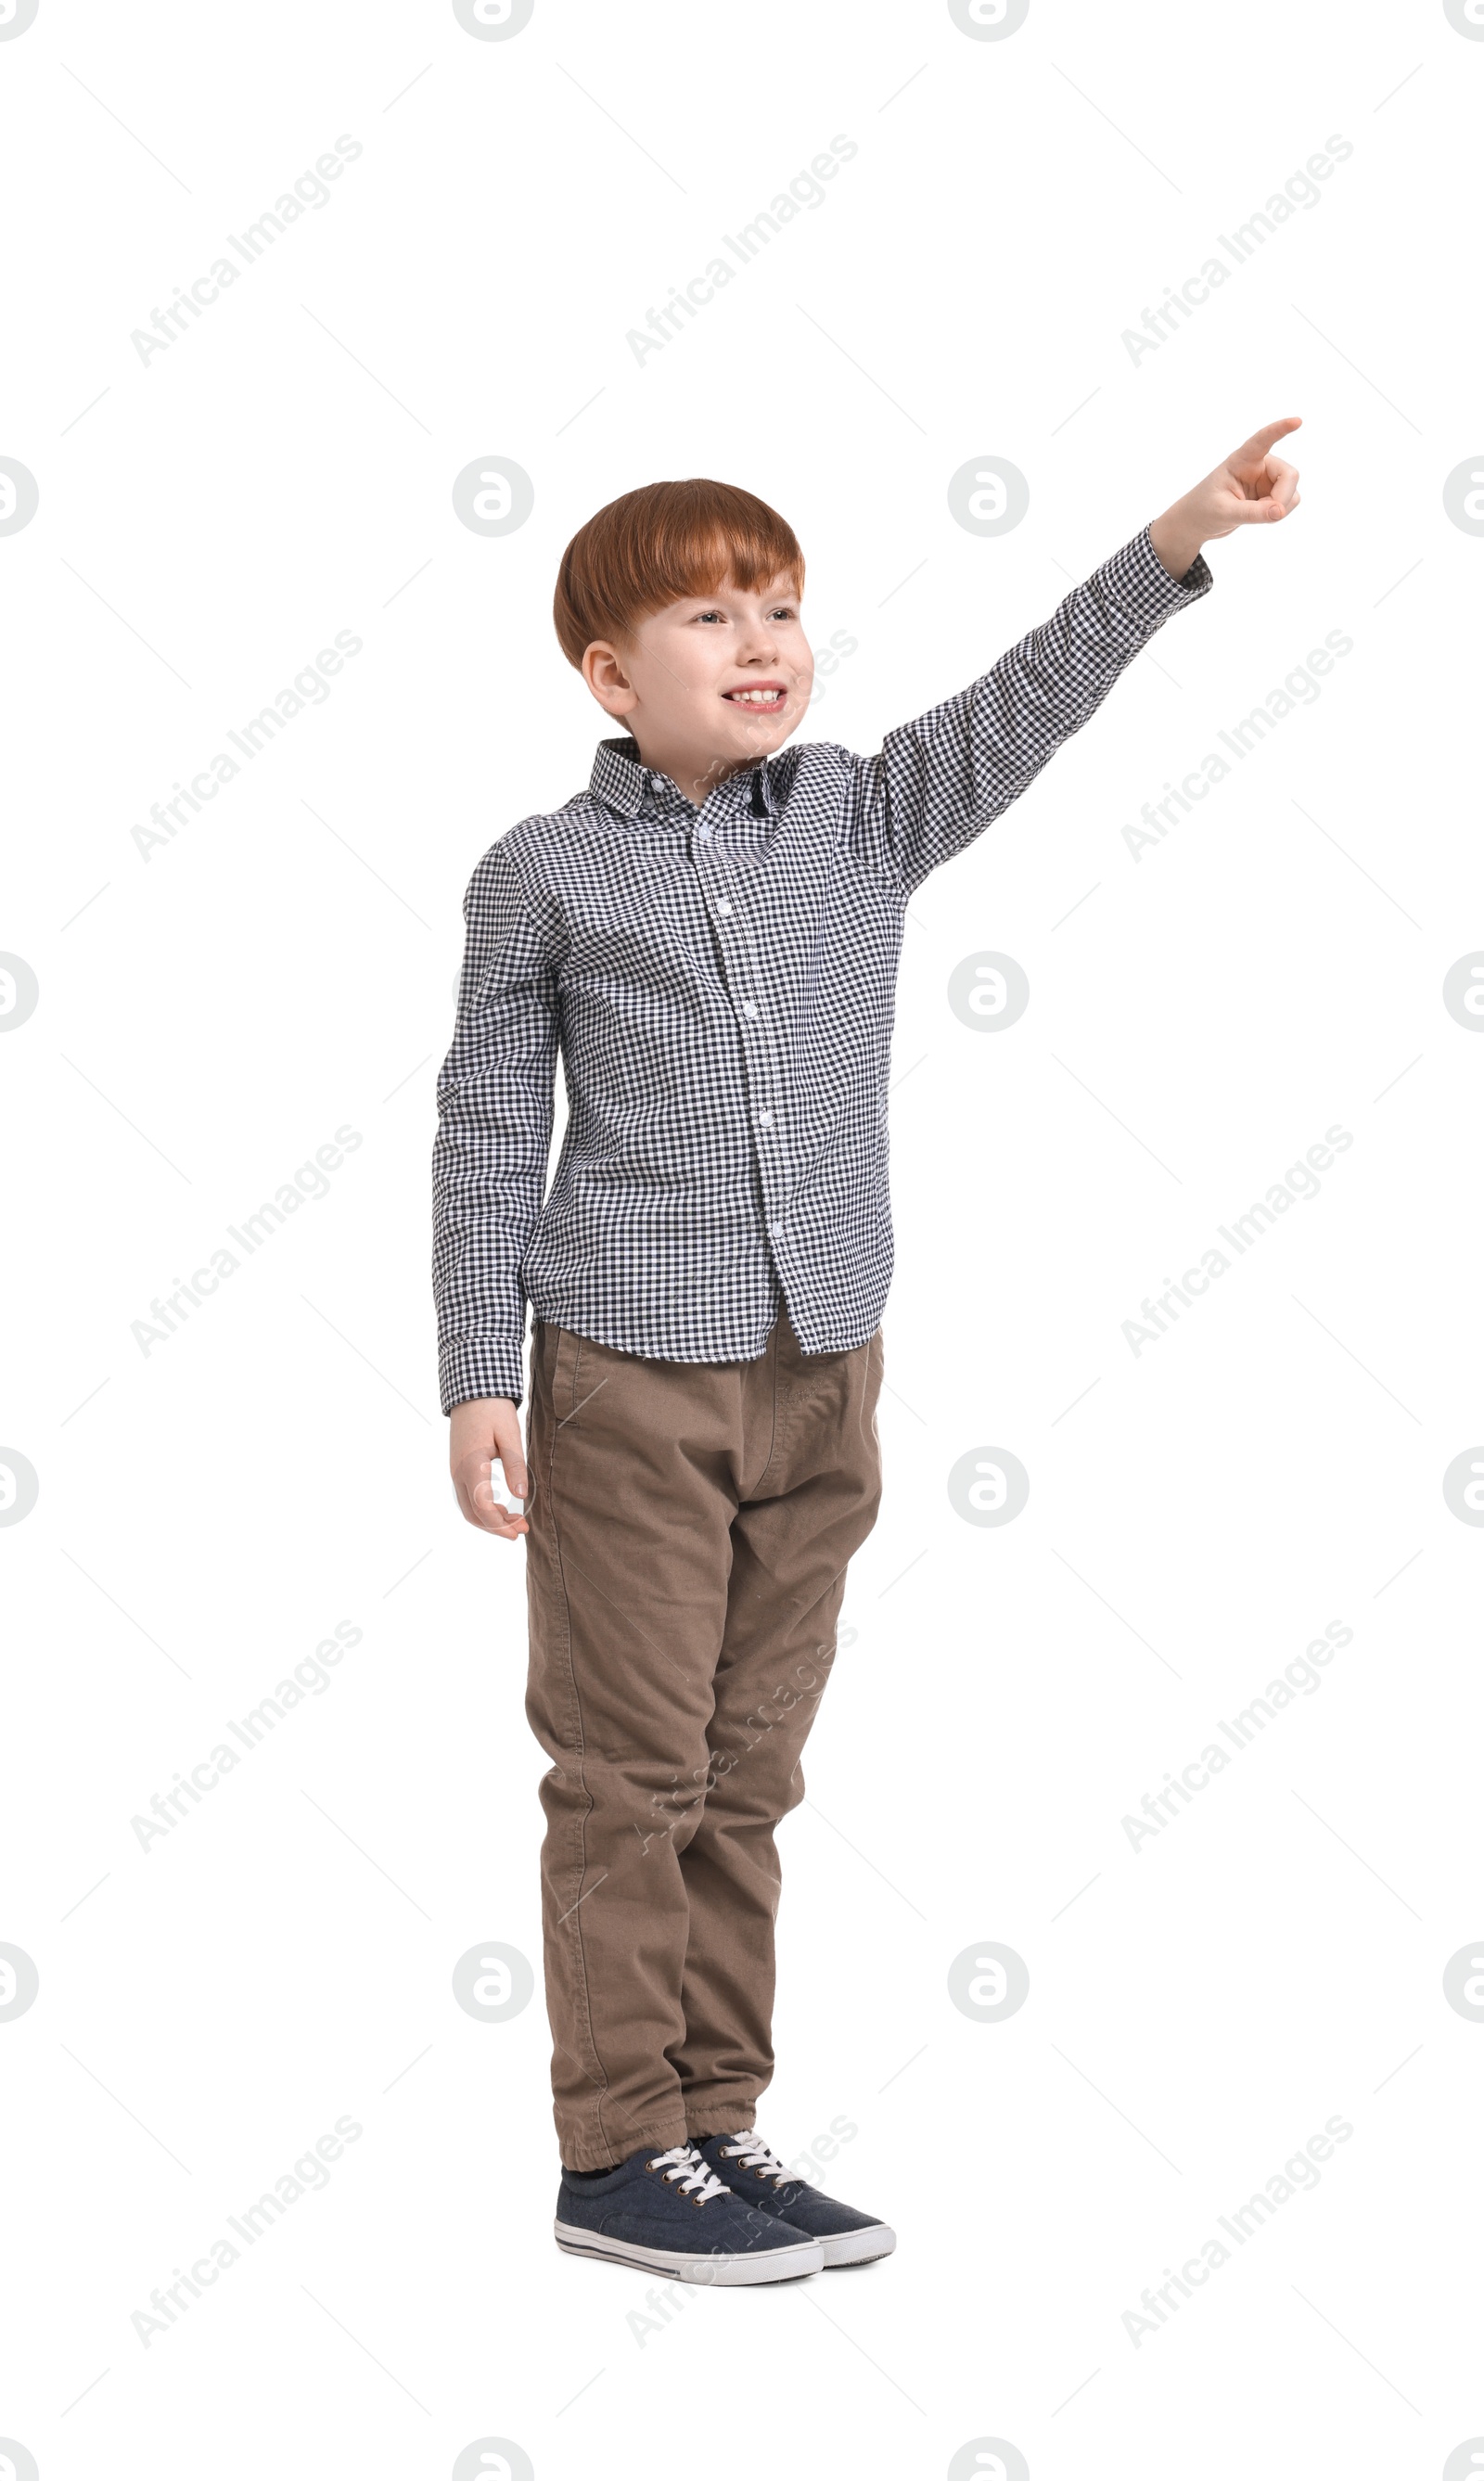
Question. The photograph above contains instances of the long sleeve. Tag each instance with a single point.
(495, 1103)
(938, 782)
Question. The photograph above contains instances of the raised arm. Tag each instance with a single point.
(495, 1098)
(938, 782)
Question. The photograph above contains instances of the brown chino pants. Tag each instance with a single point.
(691, 1524)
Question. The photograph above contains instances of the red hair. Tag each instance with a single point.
(660, 544)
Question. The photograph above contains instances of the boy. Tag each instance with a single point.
(709, 935)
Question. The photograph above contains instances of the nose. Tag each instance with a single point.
(758, 641)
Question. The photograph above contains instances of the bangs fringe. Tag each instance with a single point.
(660, 544)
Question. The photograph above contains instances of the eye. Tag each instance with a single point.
(711, 615)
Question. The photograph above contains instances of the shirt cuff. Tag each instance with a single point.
(1157, 583)
(470, 1366)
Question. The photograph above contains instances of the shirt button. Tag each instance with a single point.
(747, 1008)
(722, 905)
(703, 835)
(776, 1229)
(765, 1119)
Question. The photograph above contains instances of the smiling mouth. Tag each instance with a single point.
(761, 700)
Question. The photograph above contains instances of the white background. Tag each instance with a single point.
(208, 1017)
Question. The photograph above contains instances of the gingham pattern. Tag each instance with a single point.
(722, 983)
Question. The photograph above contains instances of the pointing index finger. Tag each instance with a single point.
(1255, 449)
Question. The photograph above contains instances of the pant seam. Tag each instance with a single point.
(773, 1442)
(582, 1748)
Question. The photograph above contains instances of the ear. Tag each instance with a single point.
(605, 675)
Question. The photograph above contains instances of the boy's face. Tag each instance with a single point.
(709, 685)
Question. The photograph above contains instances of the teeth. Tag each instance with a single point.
(756, 697)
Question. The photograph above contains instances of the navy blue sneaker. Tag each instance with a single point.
(757, 2174)
(669, 2213)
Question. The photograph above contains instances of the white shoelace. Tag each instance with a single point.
(686, 2167)
(748, 2149)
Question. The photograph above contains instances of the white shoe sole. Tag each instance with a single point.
(859, 2248)
(756, 2265)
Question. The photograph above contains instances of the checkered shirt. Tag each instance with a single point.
(720, 984)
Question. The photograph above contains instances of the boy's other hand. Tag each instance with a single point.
(1250, 488)
(478, 1432)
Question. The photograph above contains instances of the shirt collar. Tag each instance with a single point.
(637, 792)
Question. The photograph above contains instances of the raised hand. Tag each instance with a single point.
(1251, 487)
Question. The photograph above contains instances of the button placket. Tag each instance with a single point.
(759, 1053)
